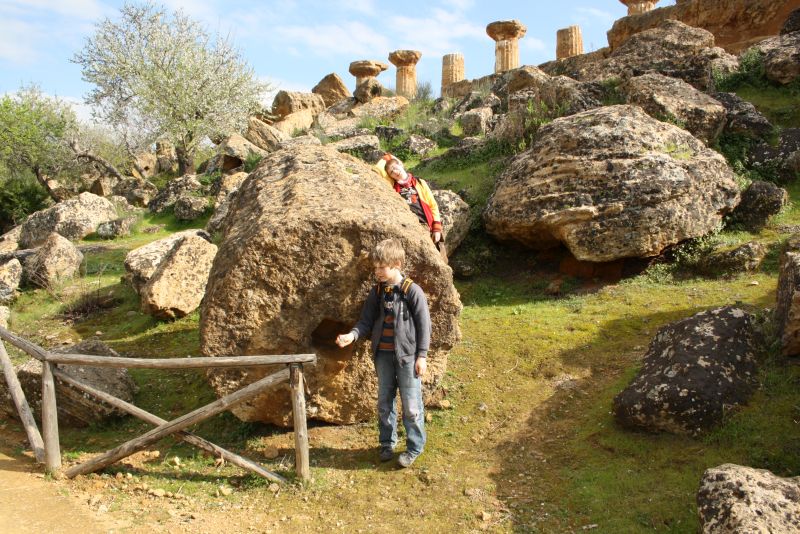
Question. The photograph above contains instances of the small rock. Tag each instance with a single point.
(428, 417)
(271, 453)
(225, 490)
(158, 492)
(177, 461)
(119, 476)
(485, 516)
(482, 407)
(274, 487)
(445, 404)
(753, 283)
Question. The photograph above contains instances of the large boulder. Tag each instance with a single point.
(332, 89)
(175, 189)
(75, 408)
(551, 93)
(233, 152)
(5, 315)
(178, 284)
(141, 263)
(787, 311)
(103, 186)
(365, 147)
(166, 156)
(10, 278)
(74, 219)
(117, 228)
(676, 101)
(455, 215)
(56, 260)
(136, 191)
(742, 117)
(782, 159)
(263, 135)
(611, 183)
(475, 121)
(760, 201)
(792, 23)
(417, 145)
(189, 208)
(694, 371)
(146, 165)
(9, 241)
(781, 57)
(295, 123)
(728, 261)
(288, 102)
(293, 271)
(734, 498)
(381, 107)
(368, 90)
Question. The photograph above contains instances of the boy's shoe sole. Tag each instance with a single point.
(405, 459)
(386, 455)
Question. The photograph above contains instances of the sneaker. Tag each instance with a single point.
(386, 454)
(406, 459)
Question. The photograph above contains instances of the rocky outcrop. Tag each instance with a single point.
(735, 24)
(74, 219)
(189, 208)
(787, 311)
(455, 215)
(146, 165)
(382, 107)
(792, 23)
(166, 156)
(137, 191)
(178, 284)
(299, 121)
(5, 315)
(742, 117)
(694, 371)
(175, 189)
(760, 201)
(611, 183)
(103, 186)
(263, 135)
(735, 498)
(672, 100)
(744, 258)
(303, 140)
(475, 121)
(782, 159)
(141, 263)
(288, 102)
(9, 241)
(10, 278)
(365, 147)
(56, 260)
(117, 228)
(418, 145)
(781, 57)
(233, 152)
(368, 90)
(75, 408)
(332, 89)
(293, 270)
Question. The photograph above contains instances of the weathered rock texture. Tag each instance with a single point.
(75, 408)
(784, 158)
(189, 208)
(475, 121)
(787, 311)
(10, 278)
(455, 217)
(611, 183)
(263, 135)
(56, 260)
(760, 201)
(637, 7)
(406, 79)
(9, 241)
(74, 219)
(117, 228)
(179, 282)
(734, 498)
(293, 271)
(781, 57)
(175, 189)
(735, 24)
(452, 72)
(366, 69)
(365, 147)
(742, 117)
(673, 100)
(235, 150)
(332, 89)
(166, 156)
(137, 191)
(368, 90)
(295, 123)
(694, 371)
(5, 315)
(729, 261)
(288, 102)
(506, 34)
(569, 42)
(141, 263)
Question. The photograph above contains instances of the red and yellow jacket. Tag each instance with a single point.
(427, 201)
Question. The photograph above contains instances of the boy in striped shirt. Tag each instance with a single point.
(396, 318)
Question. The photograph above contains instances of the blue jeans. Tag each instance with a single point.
(394, 375)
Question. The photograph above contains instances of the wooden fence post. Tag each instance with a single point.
(52, 450)
(23, 408)
(299, 417)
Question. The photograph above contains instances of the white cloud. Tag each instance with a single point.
(18, 41)
(365, 7)
(461, 5)
(351, 38)
(591, 15)
(74, 9)
(533, 43)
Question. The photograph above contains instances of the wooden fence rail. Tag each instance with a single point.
(48, 449)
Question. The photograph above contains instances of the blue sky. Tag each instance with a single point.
(293, 44)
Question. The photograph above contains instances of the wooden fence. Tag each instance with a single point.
(48, 450)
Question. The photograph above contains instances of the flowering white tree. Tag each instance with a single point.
(167, 76)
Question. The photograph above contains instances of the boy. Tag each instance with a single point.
(396, 317)
(417, 194)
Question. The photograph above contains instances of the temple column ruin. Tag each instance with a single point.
(406, 63)
(452, 70)
(569, 42)
(506, 34)
(636, 7)
(366, 69)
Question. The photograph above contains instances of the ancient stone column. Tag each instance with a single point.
(452, 70)
(635, 7)
(406, 63)
(365, 69)
(507, 34)
(569, 42)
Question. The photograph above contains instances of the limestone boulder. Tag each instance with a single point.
(74, 218)
(611, 183)
(146, 165)
(365, 147)
(792, 23)
(455, 217)
(694, 371)
(735, 498)
(782, 58)
(382, 107)
(141, 263)
(332, 89)
(760, 201)
(233, 152)
(56, 260)
(476, 121)
(103, 186)
(299, 121)
(10, 279)
(673, 100)
(5, 316)
(189, 208)
(176, 188)
(117, 228)
(787, 310)
(302, 140)
(288, 102)
(75, 408)
(368, 90)
(387, 133)
(555, 93)
(9, 241)
(166, 156)
(136, 191)
(179, 282)
(580, 67)
(418, 145)
(781, 158)
(742, 117)
(263, 135)
(727, 261)
(293, 271)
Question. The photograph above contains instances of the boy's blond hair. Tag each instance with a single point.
(389, 252)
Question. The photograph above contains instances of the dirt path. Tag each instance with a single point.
(31, 504)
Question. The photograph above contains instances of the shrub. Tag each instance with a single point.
(252, 161)
(751, 72)
(19, 197)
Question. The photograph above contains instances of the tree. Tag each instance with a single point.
(166, 75)
(34, 133)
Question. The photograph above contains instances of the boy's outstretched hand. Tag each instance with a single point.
(344, 339)
(421, 366)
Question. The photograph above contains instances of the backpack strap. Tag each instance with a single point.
(406, 285)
